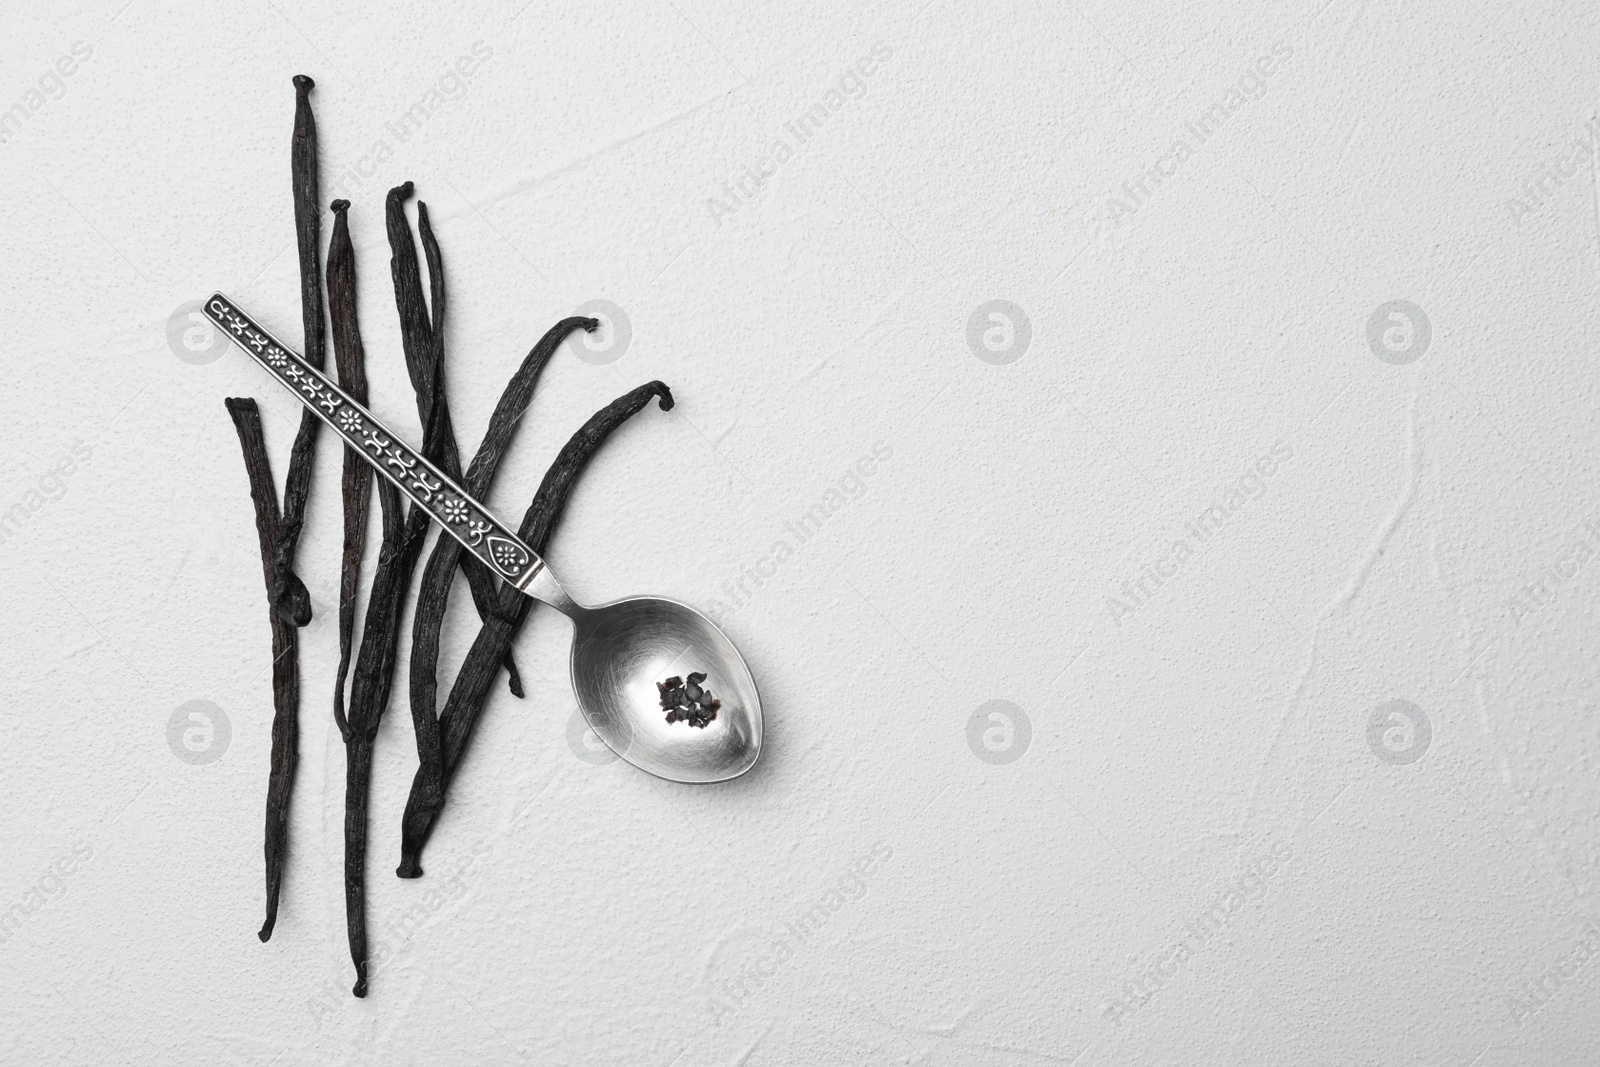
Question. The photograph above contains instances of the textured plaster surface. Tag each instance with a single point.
(1187, 660)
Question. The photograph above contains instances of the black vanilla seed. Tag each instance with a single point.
(688, 702)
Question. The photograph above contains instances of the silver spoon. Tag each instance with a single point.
(628, 657)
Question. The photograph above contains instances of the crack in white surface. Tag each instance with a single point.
(1337, 605)
(522, 185)
(1387, 531)
(750, 1049)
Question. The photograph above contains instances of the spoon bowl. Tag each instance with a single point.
(622, 652)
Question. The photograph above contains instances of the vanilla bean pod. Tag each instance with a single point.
(356, 482)
(285, 653)
(402, 544)
(434, 592)
(279, 531)
(423, 342)
(288, 591)
(369, 696)
(511, 607)
(416, 332)
(480, 581)
(369, 691)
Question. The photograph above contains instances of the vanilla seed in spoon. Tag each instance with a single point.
(688, 703)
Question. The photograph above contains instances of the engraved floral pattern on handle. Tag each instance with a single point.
(420, 480)
(508, 557)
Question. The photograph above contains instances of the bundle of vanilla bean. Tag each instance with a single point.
(441, 735)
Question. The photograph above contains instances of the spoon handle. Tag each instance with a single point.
(446, 502)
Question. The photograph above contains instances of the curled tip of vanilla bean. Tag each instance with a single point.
(303, 83)
(471, 687)
(340, 205)
(434, 594)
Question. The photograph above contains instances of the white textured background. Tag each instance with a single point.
(1416, 893)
